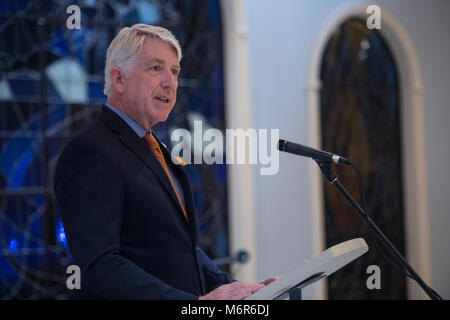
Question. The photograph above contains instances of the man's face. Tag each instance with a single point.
(150, 89)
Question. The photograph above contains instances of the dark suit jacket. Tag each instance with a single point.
(123, 223)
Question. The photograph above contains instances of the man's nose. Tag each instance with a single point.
(168, 80)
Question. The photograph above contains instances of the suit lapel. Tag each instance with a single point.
(133, 142)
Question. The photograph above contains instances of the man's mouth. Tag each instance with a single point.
(163, 99)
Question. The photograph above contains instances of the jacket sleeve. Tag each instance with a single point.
(214, 277)
(89, 190)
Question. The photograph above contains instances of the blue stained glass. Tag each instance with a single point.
(59, 45)
(60, 235)
(148, 12)
(13, 245)
(34, 128)
(96, 91)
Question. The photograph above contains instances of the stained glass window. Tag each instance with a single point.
(360, 120)
(51, 86)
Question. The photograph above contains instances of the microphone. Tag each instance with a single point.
(315, 154)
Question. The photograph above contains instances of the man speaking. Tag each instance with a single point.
(127, 209)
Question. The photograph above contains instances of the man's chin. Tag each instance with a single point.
(160, 118)
(164, 117)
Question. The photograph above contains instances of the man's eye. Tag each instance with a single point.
(156, 68)
(175, 72)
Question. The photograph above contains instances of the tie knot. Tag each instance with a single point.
(151, 141)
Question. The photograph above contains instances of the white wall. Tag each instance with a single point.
(280, 39)
(428, 25)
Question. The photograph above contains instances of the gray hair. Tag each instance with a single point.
(125, 47)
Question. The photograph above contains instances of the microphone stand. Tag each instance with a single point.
(329, 175)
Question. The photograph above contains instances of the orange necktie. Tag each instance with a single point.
(154, 146)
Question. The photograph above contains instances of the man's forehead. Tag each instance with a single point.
(156, 49)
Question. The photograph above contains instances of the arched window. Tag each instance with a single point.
(360, 102)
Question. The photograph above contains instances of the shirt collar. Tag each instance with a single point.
(140, 131)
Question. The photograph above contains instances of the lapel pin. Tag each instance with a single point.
(180, 161)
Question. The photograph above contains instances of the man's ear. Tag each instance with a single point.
(117, 79)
